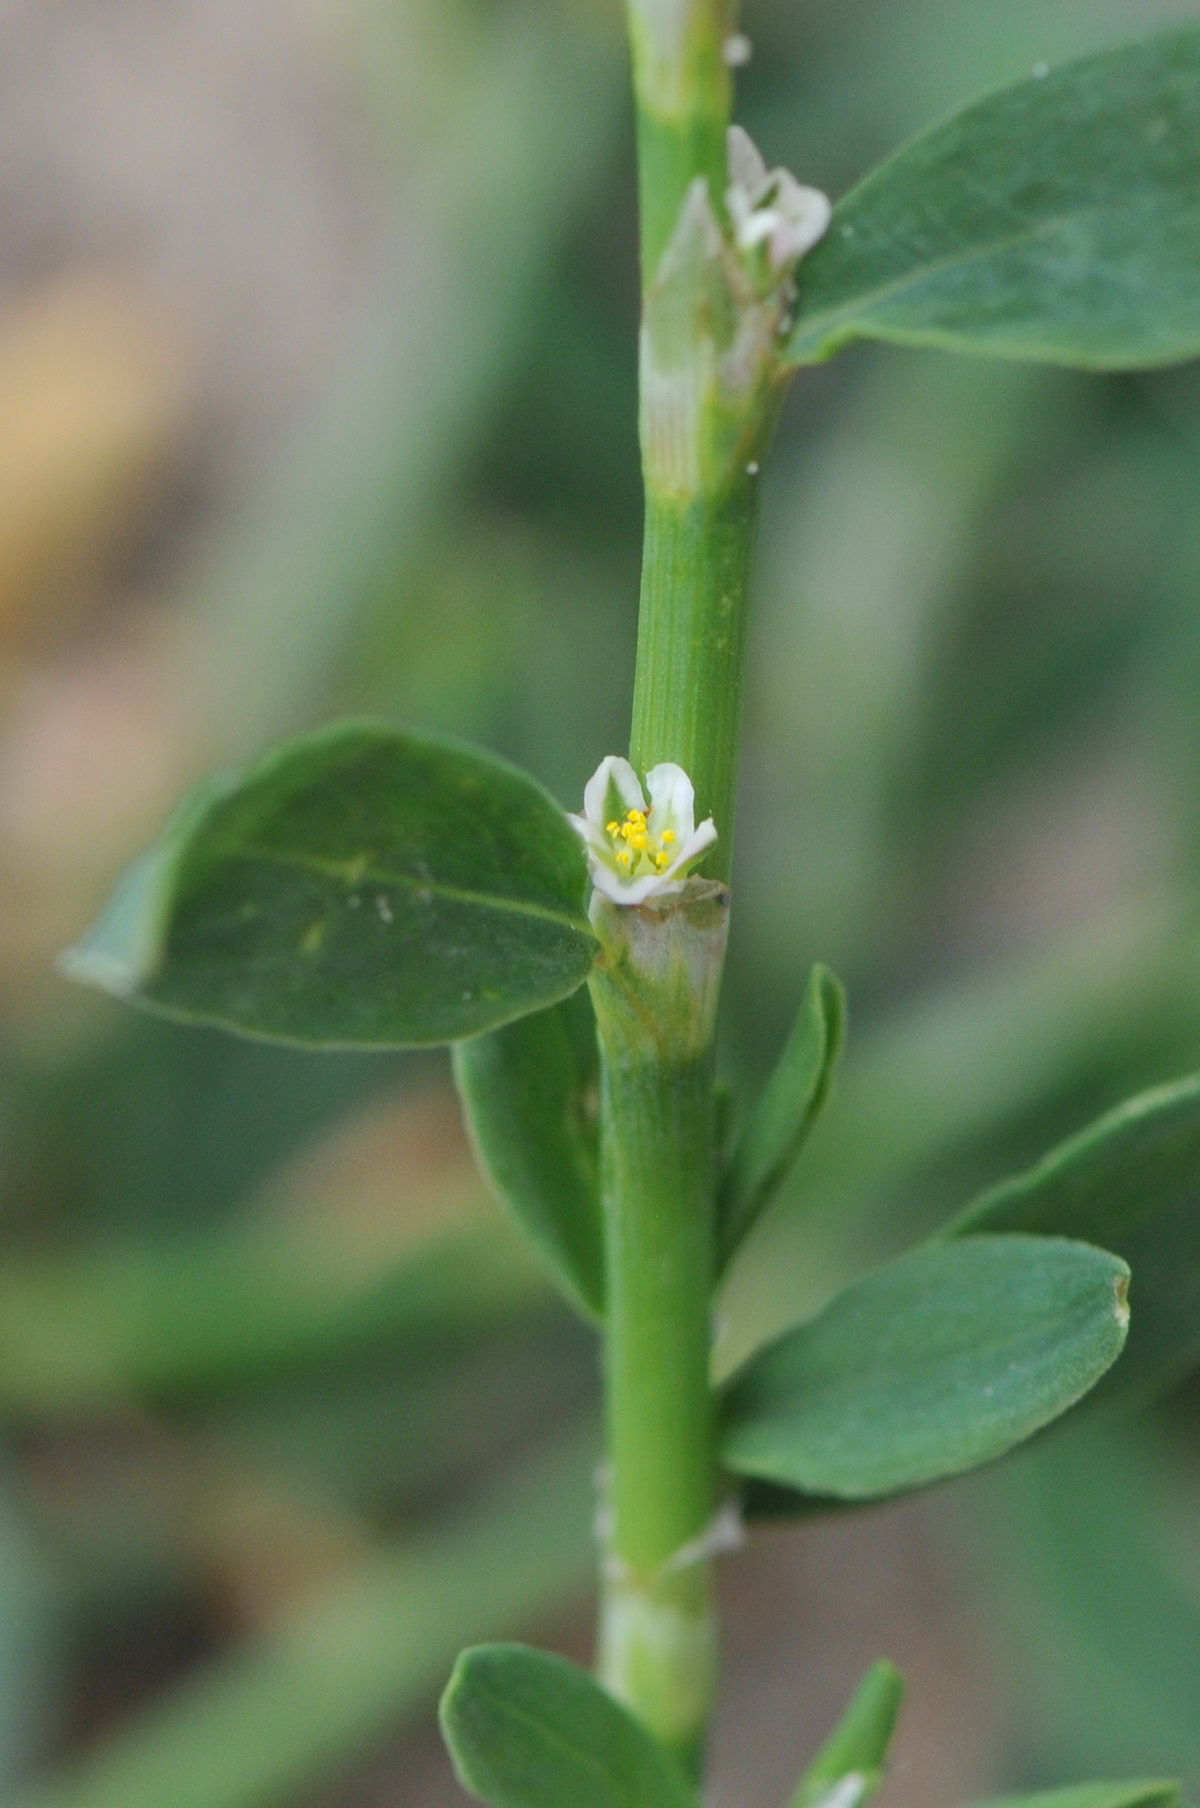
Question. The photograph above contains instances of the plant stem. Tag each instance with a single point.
(710, 386)
(684, 96)
(687, 701)
(655, 994)
(657, 1639)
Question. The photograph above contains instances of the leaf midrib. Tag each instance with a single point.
(372, 875)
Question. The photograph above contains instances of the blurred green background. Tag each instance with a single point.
(317, 395)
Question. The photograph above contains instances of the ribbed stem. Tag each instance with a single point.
(658, 1645)
(656, 986)
(684, 95)
(687, 703)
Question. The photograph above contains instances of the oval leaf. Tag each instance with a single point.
(929, 1365)
(849, 1767)
(1130, 1181)
(528, 1730)
(1057, 220)
(791, 1102)
(355, 888)
(528, 1091)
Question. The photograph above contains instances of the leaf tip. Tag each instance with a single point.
(121, 948)
(97, 967)
(850, 1790)
(450, 1712)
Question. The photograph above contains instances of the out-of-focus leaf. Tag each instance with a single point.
(355, 888)
(226, 1310)
(529, 1730)
(1154, 1793)
(1058, 220)
(528, 1093)
(849, 1767)
(520, 135)
(1130, 1181)
(267, 1723)
(1084, 1545)
(404, 1425)
(928, 1366)
(1134, 1160)
(35, 1636)
(775, 1131)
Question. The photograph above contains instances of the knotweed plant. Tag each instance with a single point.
(367, 888)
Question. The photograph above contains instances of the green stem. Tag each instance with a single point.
(709, 390)
(684, 97)
(655, 993)
(657, 1638)
(687, 703)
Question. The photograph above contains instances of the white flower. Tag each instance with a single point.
(770, 207)
(633, 851)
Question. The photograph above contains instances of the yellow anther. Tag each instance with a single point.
(624, 858)
(668, 835)
(612, 828)
(640, 840)
(661, 861)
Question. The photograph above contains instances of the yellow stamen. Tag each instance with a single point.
(668, 835)
(612, 828)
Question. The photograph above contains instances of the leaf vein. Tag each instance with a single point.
(371, 875)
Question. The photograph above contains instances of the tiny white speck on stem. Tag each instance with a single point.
(737, 50)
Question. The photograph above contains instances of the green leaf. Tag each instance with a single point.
(791, 1102)
(1130, 1181)
(849, 1767)
(1141, 1158)
(1057, 220)
(528, 1091)
(354, 888)
(927, 1366)
(1151, 1794)
(528, 1730)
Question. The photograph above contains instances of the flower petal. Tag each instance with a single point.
(747, 170)
(802, 217)
(672, 799)
(694, 845)
(626, 891)
(593, 838)
(613, 773)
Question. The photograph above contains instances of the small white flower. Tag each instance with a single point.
(635, 851)
(770, 207)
